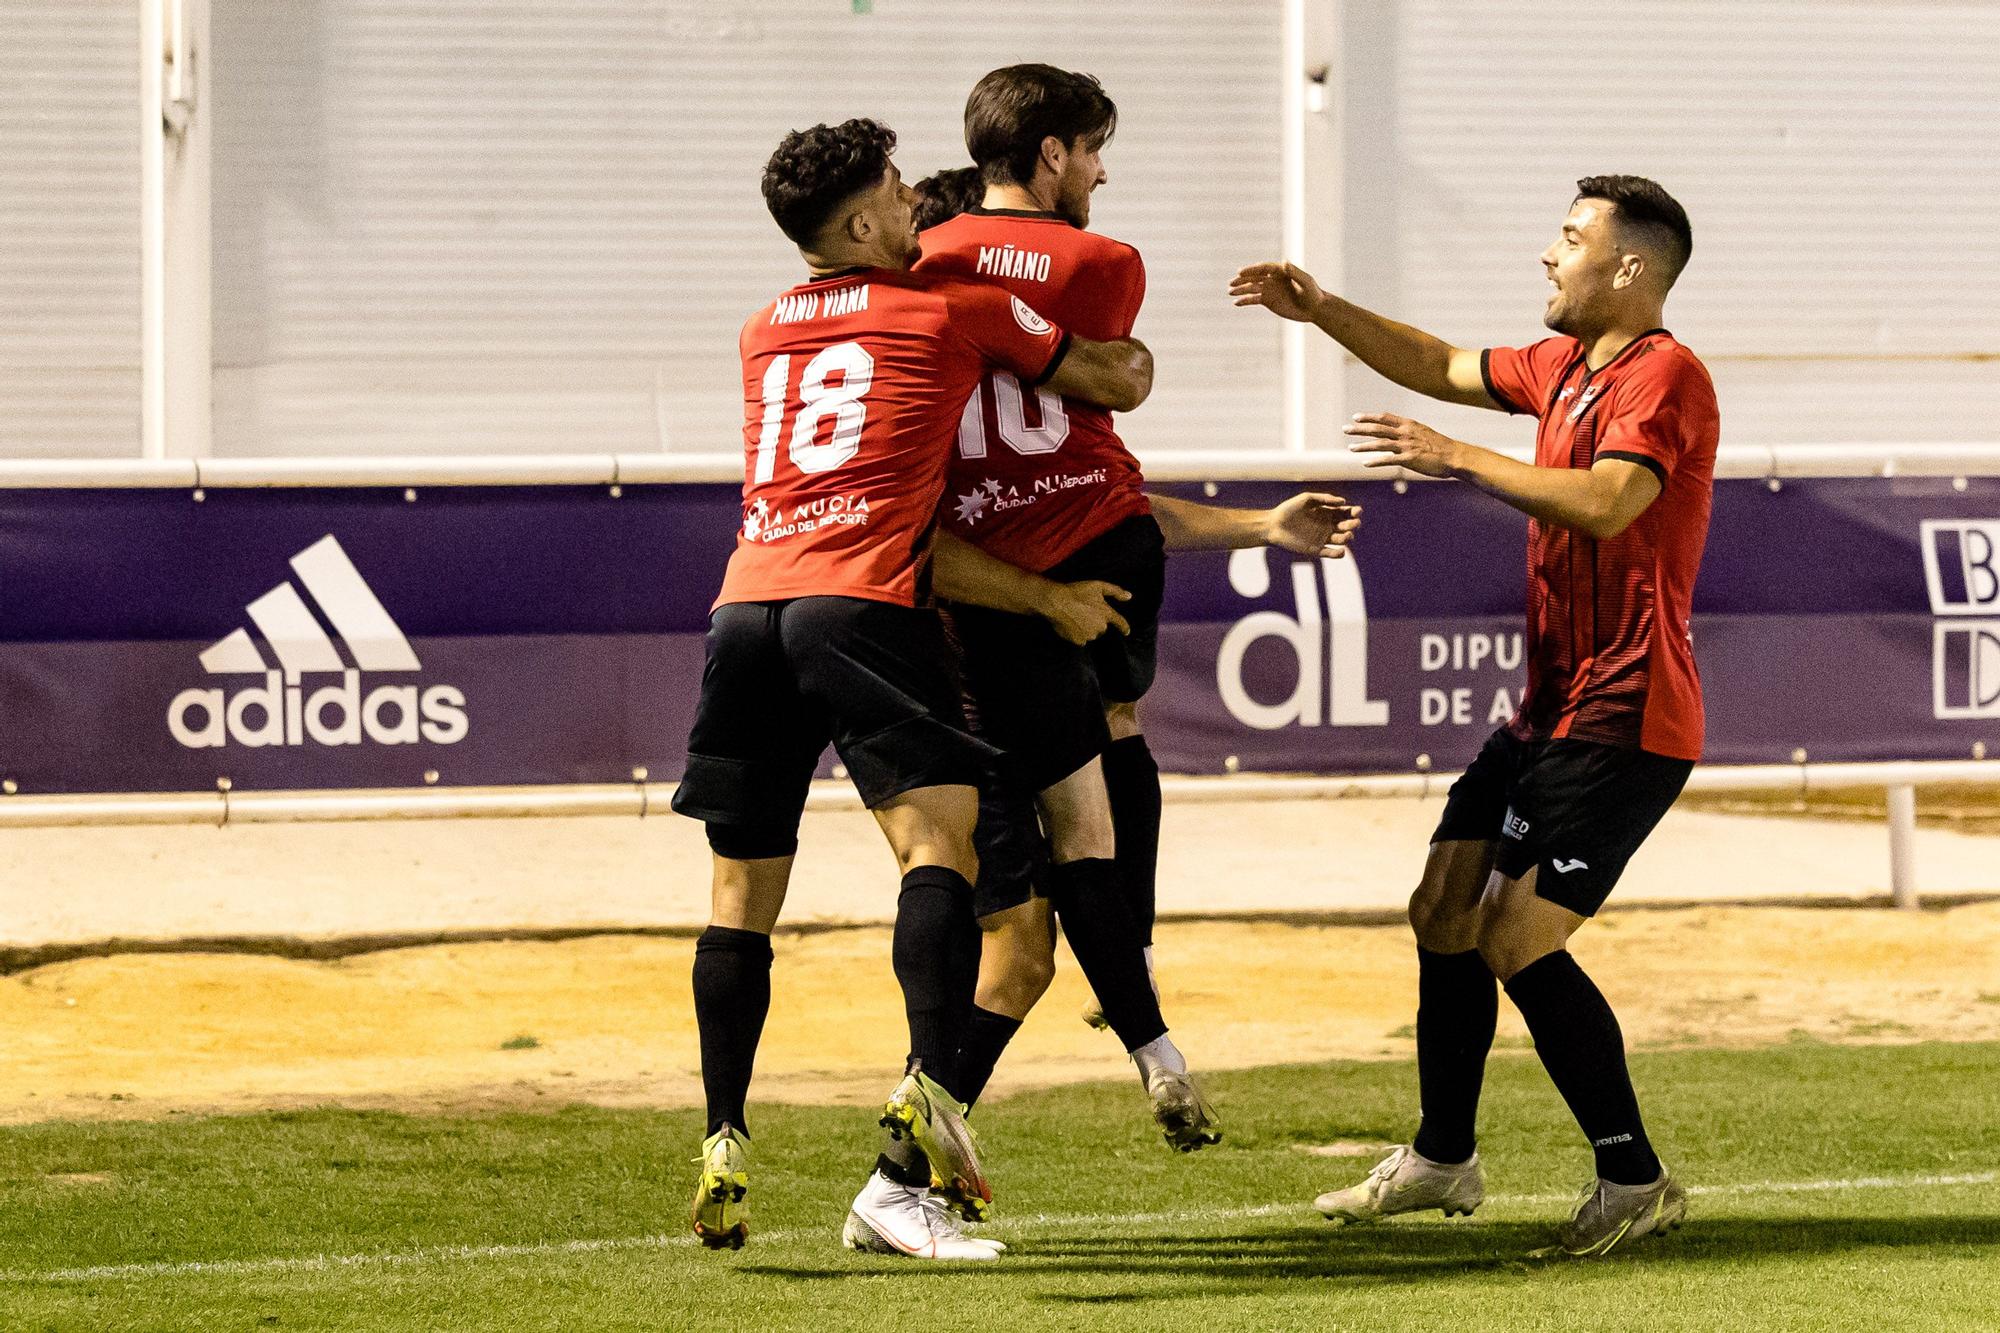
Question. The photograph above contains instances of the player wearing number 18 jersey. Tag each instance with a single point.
(853, 383)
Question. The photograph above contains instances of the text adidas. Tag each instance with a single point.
(275, 713)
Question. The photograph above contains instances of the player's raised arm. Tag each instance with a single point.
(1117, 375)
(1409, 357)
(1600, 501)
(1079, 611)
(1310, 523)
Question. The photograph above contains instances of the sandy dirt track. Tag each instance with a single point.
(146, 1035)
(321, 881)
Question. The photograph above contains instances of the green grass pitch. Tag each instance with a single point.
(1837, 1188)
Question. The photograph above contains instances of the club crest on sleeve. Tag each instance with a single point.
(1027, 318)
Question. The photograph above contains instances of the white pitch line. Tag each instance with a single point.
(328, 1262)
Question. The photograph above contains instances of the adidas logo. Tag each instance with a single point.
(279, 711)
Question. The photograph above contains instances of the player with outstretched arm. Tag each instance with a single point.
(1538, 830)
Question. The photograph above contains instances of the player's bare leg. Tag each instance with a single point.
(732, 996)
(1525, 939)
(1017, 962)
(1457, 1005)
(1083, 888)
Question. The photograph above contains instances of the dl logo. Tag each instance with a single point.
(1962, 571)
(1332, 649)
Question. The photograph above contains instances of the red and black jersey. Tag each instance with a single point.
(853, 386)
(1037, 476)
(1610, 645)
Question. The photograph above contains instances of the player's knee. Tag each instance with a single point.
(1122, 719)
(751, 842)
(1440, 923)
(1024, 979)
(1507, 947)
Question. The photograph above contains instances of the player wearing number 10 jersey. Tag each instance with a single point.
(853, 383)
(1044, 482)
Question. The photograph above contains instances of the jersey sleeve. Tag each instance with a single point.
(1519, 378)
(1005, 330)
(1124, 282)
(1663, 412)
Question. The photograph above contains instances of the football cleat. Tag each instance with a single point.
(1609, 1215)
(1183, 1114)
(1408, 1182)
(921, 1110)
(721, 1217)
(892, 1218)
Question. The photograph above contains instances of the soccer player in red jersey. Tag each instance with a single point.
(1045, 484)
(1540, 827)
(853, 383)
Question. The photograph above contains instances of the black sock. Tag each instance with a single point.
(1457, 1005)
(986, 1036)
(1133, 780)
(732, 995)
(1107, 948)
(904, 1162)
(1577, 1036)
(936, 954)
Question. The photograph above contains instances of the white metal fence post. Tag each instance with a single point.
(1903, 845)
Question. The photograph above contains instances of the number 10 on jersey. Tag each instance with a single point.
(1011, 414)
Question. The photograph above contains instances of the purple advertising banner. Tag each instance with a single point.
(474, 636)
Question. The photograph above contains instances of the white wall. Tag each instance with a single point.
(1839, 159)
(69, 229)
(500, 226)
(460, 225)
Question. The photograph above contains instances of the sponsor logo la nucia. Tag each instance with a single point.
(312, 695)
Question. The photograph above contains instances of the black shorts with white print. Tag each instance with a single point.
(1576, 809)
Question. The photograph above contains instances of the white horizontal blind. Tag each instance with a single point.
(1840, 160)
(492, 226)
(69, 229)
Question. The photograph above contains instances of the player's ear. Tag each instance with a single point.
(1055, 153)
(859, 226)
(1630, 268)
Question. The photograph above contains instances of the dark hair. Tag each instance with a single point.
(942, 197)
(814, 170)
(1648, 209)
(1014, 108)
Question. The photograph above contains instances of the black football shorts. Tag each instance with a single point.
(1575, 810)
(1132, 555)
(784, 678)
(1013, 851)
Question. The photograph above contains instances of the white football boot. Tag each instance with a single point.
(1182, 1113)
(1407, 1182)
(891, 1218)
(1609, 1215)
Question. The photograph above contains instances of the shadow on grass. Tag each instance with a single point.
(1393, 1255)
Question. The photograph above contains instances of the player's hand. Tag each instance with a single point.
(1313, 524)
(1283, 289)
(1400, 442)
(1083, 610)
